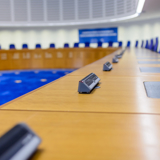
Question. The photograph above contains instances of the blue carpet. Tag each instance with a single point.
(16, 83)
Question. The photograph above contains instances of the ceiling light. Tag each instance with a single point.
(140, 6)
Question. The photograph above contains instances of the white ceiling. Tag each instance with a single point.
(151, 10)
(82, 12)
(63, 12)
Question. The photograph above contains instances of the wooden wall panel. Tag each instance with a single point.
(61, 58)
(16, 59)
(26, 58)
(5, 60)
(37, 57)
(69, 58)
(51, 58)
(78, 58)
(89, 56)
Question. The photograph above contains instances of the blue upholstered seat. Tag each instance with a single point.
(136, 45)
(151, 45)
(110, 44)
(76, 45)
(100, 44)
(156, 45)
(24, 46)
(66, 45)
(146, 46)
(52, 45)
(128, 43)
(12, 46)
(38, 45)
(87, 44)
(120, 44)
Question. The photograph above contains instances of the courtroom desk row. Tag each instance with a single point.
(127, 66)
(115, 95)
(141, 52)
(70, 136)
(51, 58)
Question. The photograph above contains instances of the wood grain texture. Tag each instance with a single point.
(121, 90)
(71, 136)
(116, 94)
(51, 58)
(127, 66)
(116, 122)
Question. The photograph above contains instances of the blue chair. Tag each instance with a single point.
(136, 45)
(100, 44)
(87, 44)
(24, 46)
(52, 45)
(66, 45)
(120, 44)
(76, 45)
(110, 44)
(146, 46)
(156, 45)
(128, 43)
(142, 44)
(12, 46)
(151, 45)
(38, 46)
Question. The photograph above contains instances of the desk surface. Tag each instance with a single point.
(127, 66)
(121, 91)
(116, 122)
(116, 94)
(94, 136)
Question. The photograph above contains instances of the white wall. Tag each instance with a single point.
(31, 36)
(59, 36)
(140, 31)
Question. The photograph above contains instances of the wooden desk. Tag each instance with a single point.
(70, 136)
(122, 91)
(128, 66)
(116, 122)
(117, 94)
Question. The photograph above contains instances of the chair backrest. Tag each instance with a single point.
(128, 43)
(66, 45)
(100, 44)
(146, 46)
(151, 44)
(120, 44)
(110, 44)
(136, 45)
(142, 44)
(24, 46)
(12, 46)
(38, 46)
(52, 45)
(87, 44)
(76, 45)
(156, 45)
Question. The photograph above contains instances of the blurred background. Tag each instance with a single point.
(59, 21)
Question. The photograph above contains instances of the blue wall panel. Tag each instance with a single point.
(98, 35)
